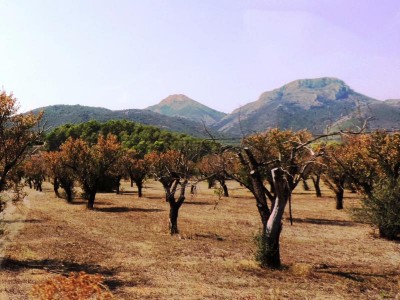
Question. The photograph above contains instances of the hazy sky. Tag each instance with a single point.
(132, 54)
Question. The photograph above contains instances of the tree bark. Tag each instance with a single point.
(92, 195)
(139, 185)
(173, 218)
(339, 191)
(68, 193)
(56, 186)
(316, 181)
(224, 187)
(272, 254)
(274, 224)
(305, 185)
(339, 197)
(211, 183)
(118, 184)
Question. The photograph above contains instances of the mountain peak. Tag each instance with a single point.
(181, 105)
(305, 103)
(176, 98)
(316, 83)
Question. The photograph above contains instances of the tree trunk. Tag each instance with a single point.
(117, 184)
(139, 185)
(210, 182)
(339, 197)
(173, 218)
(316, 182)
(131, 182)
(272, 251)
(56, 186)
(305, 185)
(224, 187)
(68, 193)
(92, 195)
(388, 233)
(274, 225)
(192, 189)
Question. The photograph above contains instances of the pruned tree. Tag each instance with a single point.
(273, 163)
(372, 162)
(316, 173)
(18, 135)
(90, 163)
(62, 175)
(215, 167)
(34, 170)
(334, 175)
(137, 168)
(173, 169)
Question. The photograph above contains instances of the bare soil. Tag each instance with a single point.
(326, 255)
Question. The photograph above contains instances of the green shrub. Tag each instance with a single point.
(382, 209)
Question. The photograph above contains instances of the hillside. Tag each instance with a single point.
(183, 106)
(381, 114)
(308, 103)
(314, 104)
(57, 115)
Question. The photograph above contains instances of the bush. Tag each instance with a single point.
(261, 249)
(382, 209)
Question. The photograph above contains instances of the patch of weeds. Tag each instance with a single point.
(301, 269)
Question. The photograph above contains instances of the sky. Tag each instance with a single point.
(223, 53)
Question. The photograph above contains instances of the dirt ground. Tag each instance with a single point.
(326, 254)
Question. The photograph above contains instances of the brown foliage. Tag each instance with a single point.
(16, 135)
(77, 286)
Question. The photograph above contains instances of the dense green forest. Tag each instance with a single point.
(142, 138)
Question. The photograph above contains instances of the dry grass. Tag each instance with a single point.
(125, 239)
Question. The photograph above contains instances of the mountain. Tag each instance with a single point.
(183, 106)
(314, 104)
(56, 115)
(393, 102)
(381, 115)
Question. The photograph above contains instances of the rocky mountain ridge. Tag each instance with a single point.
(315, 104)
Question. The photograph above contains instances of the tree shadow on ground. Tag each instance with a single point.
(352, 275)
(84, 202)
(198, 203)
(121, 209)
(65, 268)
(21, 221)
(126, 193)
(155, 197)
(323, 222)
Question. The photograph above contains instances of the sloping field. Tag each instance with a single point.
(326, 255)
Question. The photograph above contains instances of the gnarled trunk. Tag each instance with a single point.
(305, 185)
(173, 218)
(118, 184)
(339, 198)
(56, 186)
(92, 196)
(274, 224)
(224, 187)
(316, 181)
(139, 185)
(211, 183)
(174, 204)
(339, 194)
(68, 193)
